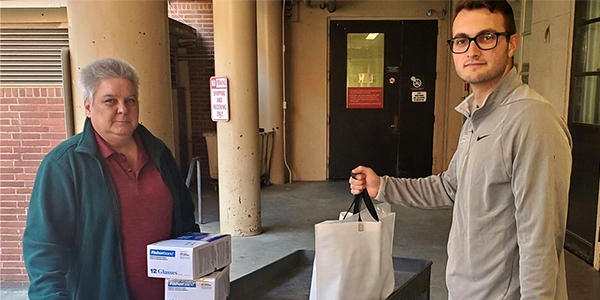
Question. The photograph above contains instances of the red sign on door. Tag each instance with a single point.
(364, 97)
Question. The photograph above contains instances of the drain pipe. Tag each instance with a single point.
(284, 92)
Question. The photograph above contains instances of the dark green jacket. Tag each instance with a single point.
(72, 244)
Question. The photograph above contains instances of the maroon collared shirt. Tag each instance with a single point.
(146, 208)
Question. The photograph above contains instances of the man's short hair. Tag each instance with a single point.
(500, 6)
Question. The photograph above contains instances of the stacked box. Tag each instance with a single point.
(189, 256)
(194, 266)
(214, 286)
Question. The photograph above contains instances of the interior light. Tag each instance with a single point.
(372, 36)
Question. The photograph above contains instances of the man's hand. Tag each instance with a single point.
(364, 177)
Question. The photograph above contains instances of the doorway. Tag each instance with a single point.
(382, 91)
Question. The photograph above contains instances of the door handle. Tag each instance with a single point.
(395, 123)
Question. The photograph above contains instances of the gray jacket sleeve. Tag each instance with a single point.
(435, 191)
(539, 161)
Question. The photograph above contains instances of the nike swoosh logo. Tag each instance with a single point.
(482, 137)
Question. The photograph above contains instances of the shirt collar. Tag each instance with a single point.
(106, 150)
(506, 86)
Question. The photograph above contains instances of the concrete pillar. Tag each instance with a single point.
(137, 32)
(270, 80)
(239, 168)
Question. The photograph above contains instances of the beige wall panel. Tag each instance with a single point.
(307, 84)
(135, 31)
(551, 79)
(33, 15)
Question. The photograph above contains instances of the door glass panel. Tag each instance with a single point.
(585, 100)
(589, 52)
(364, 70)
(587, 10)
(526, 52)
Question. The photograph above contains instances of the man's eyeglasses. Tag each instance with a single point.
(485, 41)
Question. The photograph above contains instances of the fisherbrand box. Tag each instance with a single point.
(214, 286)
(189, 256)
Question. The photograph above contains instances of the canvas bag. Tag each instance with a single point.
(353, 256)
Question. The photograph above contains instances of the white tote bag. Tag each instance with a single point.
(353, 257)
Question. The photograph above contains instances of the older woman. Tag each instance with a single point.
(101, 196)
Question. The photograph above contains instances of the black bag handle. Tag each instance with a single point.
(368, 203)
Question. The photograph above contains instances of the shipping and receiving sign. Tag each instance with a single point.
(219, 98)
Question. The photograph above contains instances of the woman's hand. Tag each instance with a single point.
(364, 177)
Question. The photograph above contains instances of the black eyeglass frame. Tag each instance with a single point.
(474, 39)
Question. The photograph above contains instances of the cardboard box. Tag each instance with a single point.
(189, 256)
(214, 286)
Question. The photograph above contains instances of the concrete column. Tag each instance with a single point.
(270, 80)
(137, 32)
(239, 168)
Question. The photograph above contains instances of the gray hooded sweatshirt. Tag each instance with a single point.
(508, 184)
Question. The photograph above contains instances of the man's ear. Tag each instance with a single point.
(87, 106)
(513, 44)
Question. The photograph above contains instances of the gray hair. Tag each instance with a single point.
(104, 68)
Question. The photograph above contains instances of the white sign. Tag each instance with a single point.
(219, 98)
(419, 96)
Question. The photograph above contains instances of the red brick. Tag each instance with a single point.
(11, 170)
(56, 101)
(34, 129)
(14, 278)
(10, 200)
(36, 92)
(24, 203)
(6, 221)
(35, 143)
(12, 244)
(38, 157)
(13, 211)
(6, 177)
(32, 101)
(53, 115)
(12, 183)
(11, 271)
(29, 170)
(10, 143)
(58, 92)
(34, 115)
(9, 115)
(7, 164)
(23, 191)
(12, 250)
(29, 92)
(13, 264)
(27, 163)
(57, 128)
(26, 136)
(25, 177)
(53, 107)
(28, 184)
(10, 231)
(9, 128)
(6, 150)
(27, 150)
(44, 92)
(4, 101)
(52, 122)
(52, 136)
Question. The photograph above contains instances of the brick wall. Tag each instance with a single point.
(198, 14)
(32, 122)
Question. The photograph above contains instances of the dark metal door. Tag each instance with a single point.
(393, 136)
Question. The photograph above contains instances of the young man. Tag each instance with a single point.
(509, 178)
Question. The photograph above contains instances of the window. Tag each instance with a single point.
(585, 75)
(522, 10)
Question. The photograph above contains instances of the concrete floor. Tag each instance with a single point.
(290, 211)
